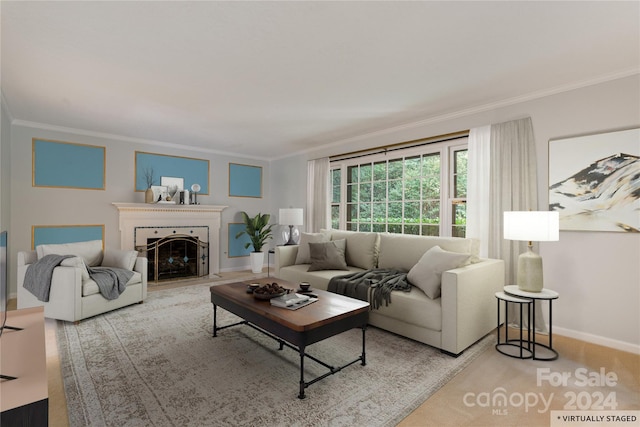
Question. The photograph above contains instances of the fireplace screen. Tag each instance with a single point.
(175, 257)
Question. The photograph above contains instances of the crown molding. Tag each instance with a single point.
(122, 138)
(5, 107)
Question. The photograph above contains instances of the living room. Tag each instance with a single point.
(595, 273)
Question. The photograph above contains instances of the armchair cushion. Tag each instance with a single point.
(119, 259)
(91, 251)
(77, 261)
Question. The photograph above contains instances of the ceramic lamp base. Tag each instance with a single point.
(530, 272)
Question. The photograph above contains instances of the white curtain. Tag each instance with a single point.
(318, 214)
(502, 176)
(478, 197)
(514, 184)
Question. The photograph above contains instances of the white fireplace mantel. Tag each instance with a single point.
(134, 215)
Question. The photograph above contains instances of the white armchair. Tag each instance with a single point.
(73, 295)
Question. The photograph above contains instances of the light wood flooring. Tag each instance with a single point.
(466, 400)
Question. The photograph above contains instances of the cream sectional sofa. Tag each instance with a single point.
(74, 295)
(463, 313)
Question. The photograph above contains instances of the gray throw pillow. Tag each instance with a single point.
(427, 273)
(328, 255)
(303, 256)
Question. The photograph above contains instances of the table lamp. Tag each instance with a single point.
(290, 217)
(530, 226)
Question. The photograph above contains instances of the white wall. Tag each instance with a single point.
(31, 206)
(5, 166)
(596, 274)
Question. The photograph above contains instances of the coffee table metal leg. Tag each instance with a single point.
(215, 326)
(364, 356)
(302, 383)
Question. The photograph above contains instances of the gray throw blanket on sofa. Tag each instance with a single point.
(378, 282)
(111, 281)
(37, 278)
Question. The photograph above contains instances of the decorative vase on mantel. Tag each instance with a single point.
(148, 195)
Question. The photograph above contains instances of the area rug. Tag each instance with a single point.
(157, 364)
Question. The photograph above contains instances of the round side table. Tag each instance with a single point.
(523, 347)
(544, 295)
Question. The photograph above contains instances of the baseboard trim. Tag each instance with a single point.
(599, 340)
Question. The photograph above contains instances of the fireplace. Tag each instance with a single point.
(165, 226)
(175, 257)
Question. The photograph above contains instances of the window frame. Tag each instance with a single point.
(446, 150)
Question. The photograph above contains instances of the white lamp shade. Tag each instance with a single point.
(290, 217)
(532, 226)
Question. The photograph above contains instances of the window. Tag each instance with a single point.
(419, 190)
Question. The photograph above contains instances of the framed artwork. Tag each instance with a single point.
(236, 246)
(160, 192)
(54, 234)
(245, 180)
(593, 181)
(186, 170)
(68, 165)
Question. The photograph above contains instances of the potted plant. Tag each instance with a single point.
(259, 231)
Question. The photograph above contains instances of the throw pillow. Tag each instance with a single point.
(427, 273)
(78, 262)
(328, 255)
(362, 247)
(119, 259)
(304, 256)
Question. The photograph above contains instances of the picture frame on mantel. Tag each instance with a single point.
(591, 181)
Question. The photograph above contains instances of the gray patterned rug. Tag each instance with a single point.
(156, 364)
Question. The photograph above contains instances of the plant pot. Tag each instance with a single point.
(257, 261)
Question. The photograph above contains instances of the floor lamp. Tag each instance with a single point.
(531, 226)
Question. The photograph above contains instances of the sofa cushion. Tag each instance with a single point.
(403, 251)
(78, 262)
(328, 255)
(427, 273)
(361, 248)
(303, 256)
(318, 279)
(91, 251)
(119, 259)
(90, 287)
(414, 308)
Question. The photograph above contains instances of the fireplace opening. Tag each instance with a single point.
(175, 257)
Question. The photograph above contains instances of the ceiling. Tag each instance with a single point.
(267, 79)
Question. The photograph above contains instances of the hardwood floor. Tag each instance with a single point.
(466, 400)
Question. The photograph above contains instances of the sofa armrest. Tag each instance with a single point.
(141, 267)
(27, 257)
(64, 297)
(468, 303)
(284, 256)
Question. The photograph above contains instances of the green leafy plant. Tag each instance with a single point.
(258, 230)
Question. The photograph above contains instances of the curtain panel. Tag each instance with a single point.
(502, 176)
(318, 212)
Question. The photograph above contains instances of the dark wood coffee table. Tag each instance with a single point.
(331, 315)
